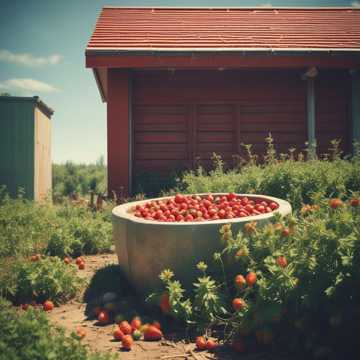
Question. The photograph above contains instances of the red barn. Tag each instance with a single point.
(182, 83)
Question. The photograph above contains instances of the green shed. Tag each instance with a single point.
(25, 146)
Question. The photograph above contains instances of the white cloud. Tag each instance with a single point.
(27, 59)
(355, 4)
(265, 5)
(27, 85)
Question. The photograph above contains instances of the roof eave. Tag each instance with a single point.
(235, 7)
(177, 51)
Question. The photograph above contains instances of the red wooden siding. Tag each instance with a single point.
(118, 131)
(215, 131)
(286, 121)
(183, 116)
(161, 137)
(333, 94)
(188, 115)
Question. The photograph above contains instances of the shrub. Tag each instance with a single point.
(27, 227)
(293, 180)
(24, 280)
(71, 178)
(305, 294)
(80, 232)
(28, 335)
(24, 226)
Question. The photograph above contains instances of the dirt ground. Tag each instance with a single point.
(99, 338)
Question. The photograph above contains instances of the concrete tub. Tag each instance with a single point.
(145, 247)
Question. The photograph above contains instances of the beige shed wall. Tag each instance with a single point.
(43, 173)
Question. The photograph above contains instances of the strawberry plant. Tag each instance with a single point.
(28, 335)
(79, 232)
(286, 285)
(48, 278)
(286, 177)
(28, 228)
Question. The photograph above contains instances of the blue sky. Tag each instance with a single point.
(42, 44)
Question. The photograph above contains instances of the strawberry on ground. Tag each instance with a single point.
(135, 323)
(211, 345)
(125, 327)
(103, 317)
(127, 342)
(118, 334)
(48, 305)
(200, 343)
(81, 332)
(79, 260)
(157, 324)
(152, 333)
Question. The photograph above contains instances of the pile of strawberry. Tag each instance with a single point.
(203, 208)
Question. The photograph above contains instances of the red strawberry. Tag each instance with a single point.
(211, 345)
(281, 261)
(251, 278)
(200, 343)
(136, 323)
(118, 334)
(152, 333)
(238, 304)
(127, 342)
(125, 327)
(79, 260)
(48, 305)
(103, 317)
(240, 281)
(157, 324)
(355, 202)
(335, 203)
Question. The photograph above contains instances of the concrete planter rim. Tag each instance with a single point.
(123, 211)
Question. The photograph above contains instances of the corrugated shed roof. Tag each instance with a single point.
(226, 29)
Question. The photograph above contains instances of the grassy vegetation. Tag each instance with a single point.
(313, 297)
(28, 335)
(72, 178)
(28, 228)
(295, 180)
(58, 230)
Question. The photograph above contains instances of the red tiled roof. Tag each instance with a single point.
(214, 29)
